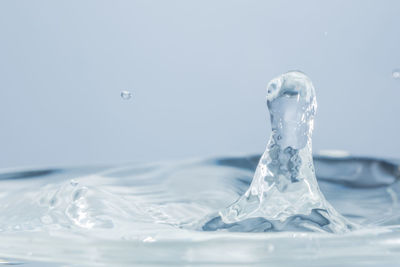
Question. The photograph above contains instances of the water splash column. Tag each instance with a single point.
(284, 187)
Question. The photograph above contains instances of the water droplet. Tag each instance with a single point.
(73, 182)
(396, 74)
(126, 95)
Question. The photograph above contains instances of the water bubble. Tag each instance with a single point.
(73, 182)
(396, 74)
(126, 95)
(326, 33)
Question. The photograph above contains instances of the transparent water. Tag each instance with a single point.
(117, 216)
(126, 95)
(396, 73)
(284, 194)
(205, 211)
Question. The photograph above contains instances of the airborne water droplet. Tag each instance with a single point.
(126, 95)
(396, 74)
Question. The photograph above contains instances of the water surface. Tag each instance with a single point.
(139, 213)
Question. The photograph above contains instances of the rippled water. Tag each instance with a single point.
(139, 213)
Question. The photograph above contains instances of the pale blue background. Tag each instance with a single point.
(198, 71)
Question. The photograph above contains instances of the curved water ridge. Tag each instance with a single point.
(284, 194)
(148, 198)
